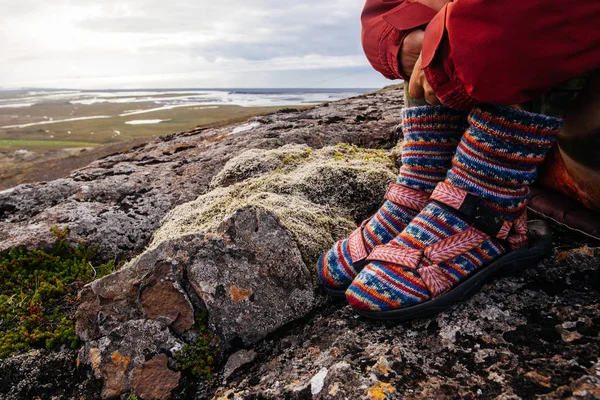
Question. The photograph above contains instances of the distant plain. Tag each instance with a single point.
(50, 150)
(45, 134)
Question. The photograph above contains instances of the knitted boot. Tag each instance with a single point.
(431, 135)
(476, 217)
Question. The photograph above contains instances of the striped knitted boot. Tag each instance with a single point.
(431, 135)
(476, 219)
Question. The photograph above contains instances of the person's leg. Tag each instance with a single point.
(478, 215)
(431, 134)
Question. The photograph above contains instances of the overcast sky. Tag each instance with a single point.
(183, 43)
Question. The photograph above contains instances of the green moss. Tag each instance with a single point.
(200, 356)
(257, 162)
(316, 197)
(292, 159)
(38, 294)
(347, 152)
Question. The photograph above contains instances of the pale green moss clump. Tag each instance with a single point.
(319, 195)
(258, 162)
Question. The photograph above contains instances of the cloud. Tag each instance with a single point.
(190, 43)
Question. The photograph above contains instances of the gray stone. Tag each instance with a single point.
(507, 342)
(254, 281)
(120, 358)
(42, 374)
(237, 360)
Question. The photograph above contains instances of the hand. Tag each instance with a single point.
(410, 50)
(437, 5)
(418, 86)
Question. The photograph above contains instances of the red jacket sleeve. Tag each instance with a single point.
(385, 24)
(509, 51)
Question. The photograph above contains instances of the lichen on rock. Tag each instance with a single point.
(531, 335)
(318, 195)
(257, 162)
(244, 252)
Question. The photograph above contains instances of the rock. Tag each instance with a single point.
(256, 163)
(42, 374)
(119, 297)
(245, 253)
(502, 343)
(121, 357)
(310, 191)
(318, 381)
(117, 202)
(167, 300)
(237, 360)
(255, 281)
(153, 380)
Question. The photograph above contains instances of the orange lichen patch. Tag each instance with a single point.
(383, 366)
(489, 339)
(380, 390)
(335, 352)
(585, 250)
(334, 389)
(314, 352)
(224, 395)
(562, 256)
(237, 294)
(117, 359)
(217, 138)
(95, 357)
(568, 336)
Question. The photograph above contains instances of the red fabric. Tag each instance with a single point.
(490, 51)
(385, 24)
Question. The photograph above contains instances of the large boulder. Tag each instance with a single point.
(244, 253)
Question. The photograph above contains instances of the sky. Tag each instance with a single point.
(92, 44)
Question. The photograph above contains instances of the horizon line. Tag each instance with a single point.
(184, 88)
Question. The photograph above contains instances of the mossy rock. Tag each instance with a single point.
(319, 195)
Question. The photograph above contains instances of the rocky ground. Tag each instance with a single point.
(529, 336)
(222, 228)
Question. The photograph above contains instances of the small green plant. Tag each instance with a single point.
(132, 397)
(38, 294)
(200, 356)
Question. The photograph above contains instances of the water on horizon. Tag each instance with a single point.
(173, 98)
